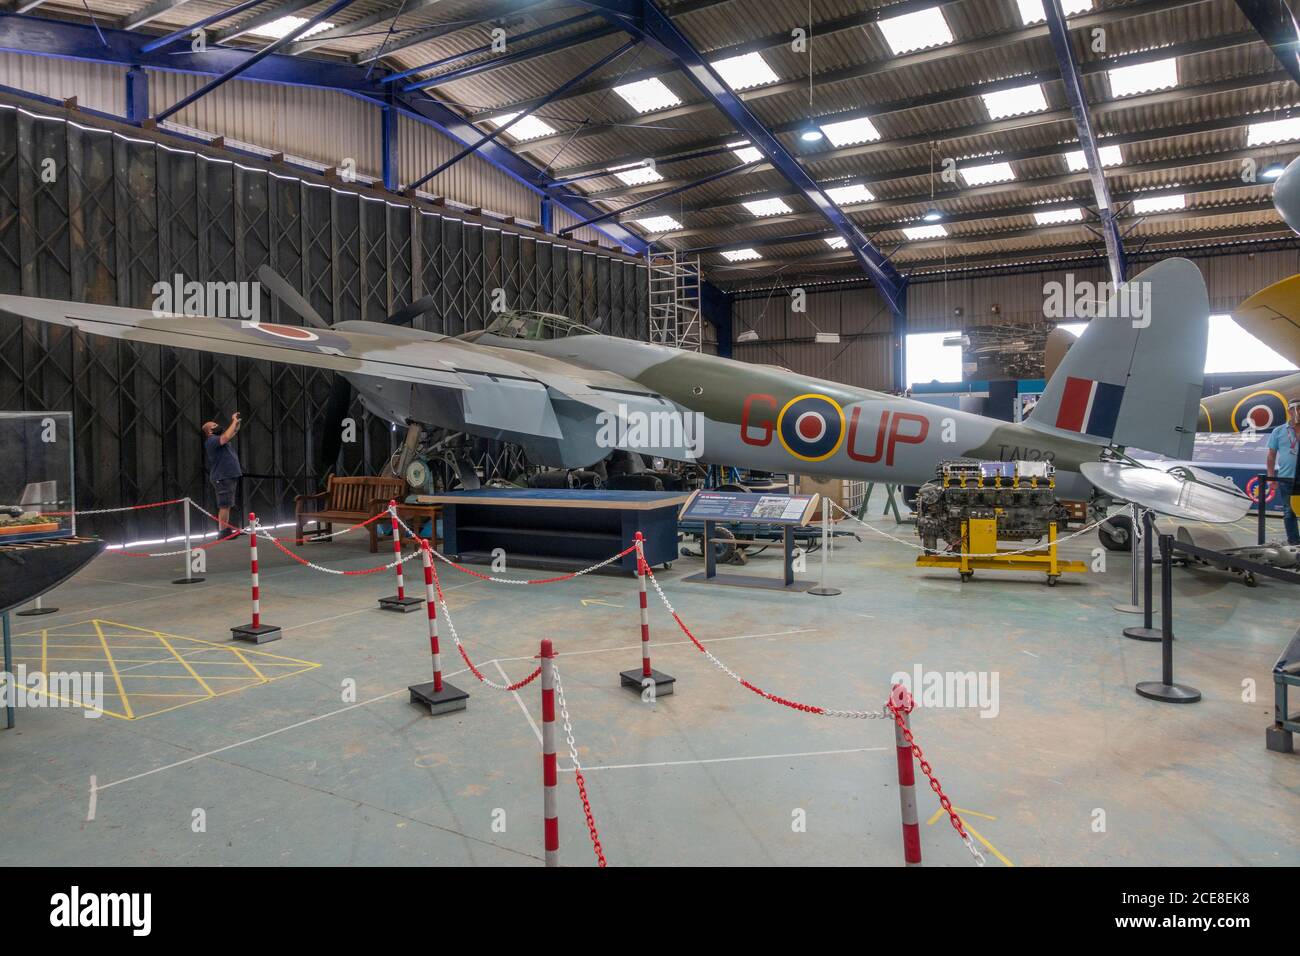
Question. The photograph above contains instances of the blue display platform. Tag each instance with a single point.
(558, 527)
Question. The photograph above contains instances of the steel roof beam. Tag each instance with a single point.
(147, 14)
(1275, 22)
(251, 25)
(642, 18)
(509, 59)
(1040, 152)
(492, 136)
(1077, 97)
(872, 68)
(207, 21)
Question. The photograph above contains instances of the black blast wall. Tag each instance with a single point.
(100, 214)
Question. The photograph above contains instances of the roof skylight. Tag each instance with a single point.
(847, 195)
(987, 173)
(281, 28)
(1160, 203)
(1031, 11)
(637, 175)
(1273, 131)
(740, 255)
(851, 131)
(925, 232)
(916, 31)
(646, 96)
(530, 127)
(1143, 77)
(658, 223)
(767, 207)
(1109, 156)
(1015, 102)
(745, 71)
(1052, 217)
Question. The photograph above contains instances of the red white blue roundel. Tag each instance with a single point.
(811, 427)
(291, 332)
(1259, 410)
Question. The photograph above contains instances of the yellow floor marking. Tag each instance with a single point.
(186, 664)
(971, 830)
(117, 677)
(256, 667)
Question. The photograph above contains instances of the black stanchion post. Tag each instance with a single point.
(1147, 631)
(1165, 689)
(1261, 497)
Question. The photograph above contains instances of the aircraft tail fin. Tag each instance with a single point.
(1135, 379)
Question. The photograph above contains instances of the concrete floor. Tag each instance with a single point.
(290, 771)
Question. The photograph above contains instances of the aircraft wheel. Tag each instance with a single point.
(1249, 578)
(1116, 533)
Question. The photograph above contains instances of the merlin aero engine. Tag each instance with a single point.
(1019, 496)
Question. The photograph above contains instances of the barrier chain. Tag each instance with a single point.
(905, 706)
(577, 768)
(451, 626)
(793, 705)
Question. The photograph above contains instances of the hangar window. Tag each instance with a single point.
(916, 31)
(1230, 348)
(929, 360)
(1109, 156)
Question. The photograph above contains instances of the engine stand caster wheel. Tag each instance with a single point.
(668, 565)
(1051, 580)
(966, 575)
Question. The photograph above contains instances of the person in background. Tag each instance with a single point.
(223, 465)
(1283, 444)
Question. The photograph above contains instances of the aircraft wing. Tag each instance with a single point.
(1272, 315)
(500, 389)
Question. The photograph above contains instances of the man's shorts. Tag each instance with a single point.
(225, 488)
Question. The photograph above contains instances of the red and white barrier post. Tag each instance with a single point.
(550, 802)
(398, 601)
(438, 695)
(906, 781)
(257, 632)
(645, 677)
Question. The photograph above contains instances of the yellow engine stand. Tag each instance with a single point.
(980, 537)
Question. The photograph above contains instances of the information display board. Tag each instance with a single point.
(794, 510)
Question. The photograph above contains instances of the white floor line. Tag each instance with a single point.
(683, 763)
(252, 740)
(520, 701)
(94, 795)
(637, 645)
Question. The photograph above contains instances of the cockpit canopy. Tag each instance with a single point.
(535, 326)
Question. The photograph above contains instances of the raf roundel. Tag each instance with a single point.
(291, 332)
(811, 427)
(1259, 411)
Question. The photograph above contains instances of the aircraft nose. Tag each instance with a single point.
(1286, 195)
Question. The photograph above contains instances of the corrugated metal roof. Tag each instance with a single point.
(1192, 136)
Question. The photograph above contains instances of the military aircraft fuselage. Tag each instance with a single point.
(769, 418)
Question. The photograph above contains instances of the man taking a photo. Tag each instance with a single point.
(223, 466)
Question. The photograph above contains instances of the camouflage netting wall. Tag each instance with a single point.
(117, 210)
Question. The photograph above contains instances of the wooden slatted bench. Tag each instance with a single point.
(348, 500)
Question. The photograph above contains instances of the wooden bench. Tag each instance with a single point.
(348, 500)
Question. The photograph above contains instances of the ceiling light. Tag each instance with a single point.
(1273, 131)
(285, 25)
(741, 255)
(745, 71)
(1274, 171)
(925, 232)
(1031, 11)
(851, 131)
(837, 242)
(847, 195)
(637, 175)
(646, 96)
(1143, 77)
(744, 152)
(1051, 217)
(530, 127)
(766, 207)
(811, 134)
(658, 223)
(1109, 156)
(1015, 102)
(916, 31)
(987, 173)
(827, 338)
(932, 215)
(1160, 203)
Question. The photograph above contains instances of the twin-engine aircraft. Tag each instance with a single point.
(570, 396)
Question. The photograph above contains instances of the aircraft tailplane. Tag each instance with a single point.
(1134, 377)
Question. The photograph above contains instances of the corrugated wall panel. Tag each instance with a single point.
(318, 125)
(473, 181)
(564, 220)
(97, 86)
